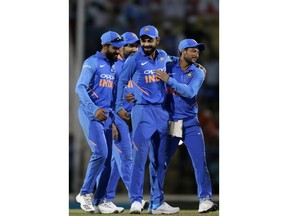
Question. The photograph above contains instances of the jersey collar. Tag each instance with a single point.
(188, 69)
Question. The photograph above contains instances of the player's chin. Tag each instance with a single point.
(148, 51)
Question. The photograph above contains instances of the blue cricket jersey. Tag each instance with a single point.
(128, 89)
(182, 88)
(148, 89)
(95, 84)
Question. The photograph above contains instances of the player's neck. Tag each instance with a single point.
(184, 64)
(153, 56)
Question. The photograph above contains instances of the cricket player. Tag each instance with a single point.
(149, 118)
(186, 78)
(94, 89)
(121, 162)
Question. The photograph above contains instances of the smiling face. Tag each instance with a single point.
(190, 55)
(149, 44)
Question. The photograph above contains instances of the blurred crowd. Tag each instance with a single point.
(175, 20)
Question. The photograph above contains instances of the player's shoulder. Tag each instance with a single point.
(118, 64)
(136, 55)
(198, 71)
(172, 61)
(131, 59)
(161, 52)
(134, 58)
(91, 62)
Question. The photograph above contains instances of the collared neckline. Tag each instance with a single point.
(100, 55)
(190, 68)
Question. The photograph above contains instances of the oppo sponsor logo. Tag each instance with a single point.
(151, 72)
(107, 76)
(151, 77)
(106, 80)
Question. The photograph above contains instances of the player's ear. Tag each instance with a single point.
(105, 47)
(157, 40)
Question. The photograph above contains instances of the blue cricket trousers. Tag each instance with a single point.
(150, 125)
(121, 163)
(99, 137)
(194, 142)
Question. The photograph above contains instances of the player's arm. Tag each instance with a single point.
(86, 74)
(188, 91)
(126, 74)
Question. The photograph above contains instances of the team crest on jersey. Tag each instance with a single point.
(189, 75)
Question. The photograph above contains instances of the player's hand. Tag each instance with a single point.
(101, 114)
(115, 132)
(130, 97)
(124, 115)
(162, 75)
(201, 67)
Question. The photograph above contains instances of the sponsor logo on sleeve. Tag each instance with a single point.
(86, 66)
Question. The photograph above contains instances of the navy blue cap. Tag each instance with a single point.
(150, 31)
(130, 38)
(190, 43)
(112, 38)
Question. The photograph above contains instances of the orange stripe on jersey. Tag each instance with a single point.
(135, 146)
(130, 84)
(120, 57)
(93, 92)
(140, 88)
(93, 143)
(118, 149)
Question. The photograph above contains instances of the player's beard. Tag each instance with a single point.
(148, 52)
(111, 56)
(190, 60)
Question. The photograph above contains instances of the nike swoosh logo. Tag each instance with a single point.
(143, 63)
(102, 66)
